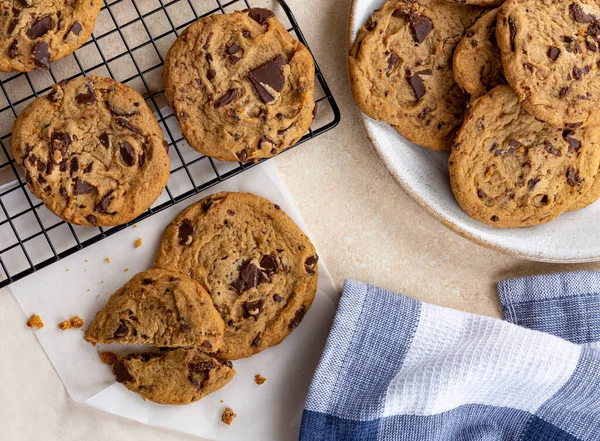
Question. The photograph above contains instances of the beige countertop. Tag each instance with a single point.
(363, 224)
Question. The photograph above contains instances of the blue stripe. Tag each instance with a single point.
(540, 430)
(318, 426)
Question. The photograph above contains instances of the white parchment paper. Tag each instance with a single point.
(81, 284)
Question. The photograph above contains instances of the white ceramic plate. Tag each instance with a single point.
(423, 174)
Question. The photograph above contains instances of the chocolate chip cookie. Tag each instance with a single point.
(179, 376)
(241, 86)
(92, 151)
(159, 308)
(477, 63)
(259, 268)
(507, 169)
(401, 68)
(34, 33)
(550, 53)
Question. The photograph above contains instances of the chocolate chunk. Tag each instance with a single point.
(41, 54)
(148, 281)
(577, 73)
(120, 112)
(264, 139)
(92, 219)
(253, 309)
(563, 91)
(549, 147)
(74, 165)
(41, 166)
(371, 25)
(246, 34)
(121, 331)
(127, 153)
(278, 298)
(227, 97)
(578, 15)
(512, 28)
(591, 45)
(87, 97)
(242, 155)
(12, 50)
(260, 15)
(393, 61)
(514, 143)
(268, 263)
(209, 58)
(250, 275)
(532, 183)
(60, 140)
(310, 263)
(33, 159)
(207, 43)
(202, 366)
(126, 124)
(186, 229)
(420, 26)
(105, 140)
(269, 74)
(256, 341)
(39, 27)
(205, 344)
(13, 24)
(211, 74)
(89, 168)
(417, 84)
(494, 218)
(481, 194)
(297, 317)
(423, 113)
(553, 53)
(207, 204)
(82, 187)
(574, 144)
(102, 206)
(142, 156)
(121, 372)
(233, 48)
(573, 177)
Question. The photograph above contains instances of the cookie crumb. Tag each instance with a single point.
(35, 321)
(138, 242)
(67, 270)
(73, 322)
(259, 379)
(126, 269)
(86, 261)
(108, 358)
(220, 401)
(228, 416)
(107, 259)
(134, 225)
(89, 290)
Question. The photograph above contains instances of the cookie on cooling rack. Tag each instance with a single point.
(92, 151)
(241, 86)
(258, 266)
(179, 376)
(34, 33)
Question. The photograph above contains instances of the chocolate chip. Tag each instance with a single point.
(573, 177)
(87, 97)
(514, 143)
(481, 194)
(76, 28)
(420, 26)
(532, 183)
(260, 15)
(13, 24)
(494, 218)
(186, 229)
(574, 144)
(82, 187)
(13, 49)
(423, 113)
(209, 58)
(268, 263)
(246, 34)
(297, 317)
(92, 219)
(121, 331)
(553, 53)
(233, 48)
(202, 366)
(549, 147)
(126, 124)
(120, 112)
(41, 54)
(512, 28)
(41, 166)
(417, 84)
(211, 74)
(60, 140)
(578, 14)
(142, 156)
(269, 74)
(591, 45)
(256, 341)
(278, 298)
(104, 203)
(253, 309)
(206, 344)
(207, 204)
(147, 281)
(310, 263)
(242, 155)
(127, 153)
(33, 159)
(227, 97)
(273, 151)
(88, 169)
(121, 372)
(563, 91)
(206, 44)
(250, 275)
(39, 28)
(105, 140)
(371, 25)
(393, 61)
(63, 193)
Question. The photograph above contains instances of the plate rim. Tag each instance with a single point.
(417, 198)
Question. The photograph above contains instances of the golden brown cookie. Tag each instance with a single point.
(258, 266)
(401, 68)
(508, 169)
(92, 151)
(179, 376)
(35, 32)
(159, 308)
(241, 86)
(550, 53)
(477, 63)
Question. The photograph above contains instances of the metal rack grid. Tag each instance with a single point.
(129, 42)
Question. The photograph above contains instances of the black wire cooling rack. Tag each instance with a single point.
(129, 42)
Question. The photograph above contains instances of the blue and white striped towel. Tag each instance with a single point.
(398, 369)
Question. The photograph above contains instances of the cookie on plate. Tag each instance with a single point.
(550, 52)
(92, 151)
(258, 266)
(401, 68)
(34, 33)
(241, 86)
(179, 376)
(507, 169)
(159, 308)
(477, 63)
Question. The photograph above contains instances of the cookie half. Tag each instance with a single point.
(551, 53)
(241, 86)
(92, 151)
(477, 62)
(179, 376)
(507, 169)
(159, 308)
(401, 68)
(34, 33)
(258, 266)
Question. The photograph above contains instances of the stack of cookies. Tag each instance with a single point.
(512, 92)
(234, 275)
